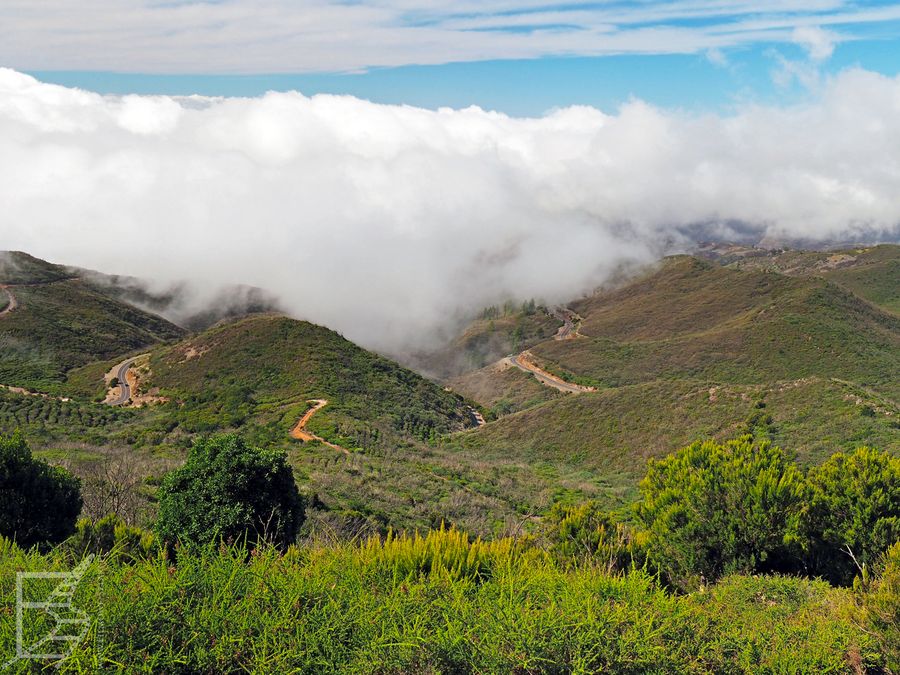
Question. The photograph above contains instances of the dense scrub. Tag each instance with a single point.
(266, 367)
(441, 604)
(59, 325)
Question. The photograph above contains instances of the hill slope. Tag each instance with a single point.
(694, 349)
(60, 323)
(270, 366)
(693, 319)
(873, 273)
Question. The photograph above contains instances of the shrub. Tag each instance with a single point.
(229, 491)
(852, 513)
(881, 605)
(586, 532)
(111, 535)
(38, 502)
(712, 509)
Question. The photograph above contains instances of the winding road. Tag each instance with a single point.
(569, 329)
(301, 434)
(124, 387)
(523, 362)
(13, 303)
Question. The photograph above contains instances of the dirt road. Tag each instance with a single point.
(476, 416)
(299, 431)
(13, 303)
(524, 362)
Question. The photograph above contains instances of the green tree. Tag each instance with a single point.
(229, 491)
(852, 513)
(39, 503)
(712, 509)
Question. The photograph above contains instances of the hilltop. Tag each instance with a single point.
(695, 348)
(60, 323)
(693, 319)
(274, 362)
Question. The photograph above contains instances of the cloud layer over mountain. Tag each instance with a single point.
(389, 222)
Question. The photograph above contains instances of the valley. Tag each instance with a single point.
(689, 349)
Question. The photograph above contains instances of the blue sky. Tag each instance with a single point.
(523, 58)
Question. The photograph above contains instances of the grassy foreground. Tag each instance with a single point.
(438, 604)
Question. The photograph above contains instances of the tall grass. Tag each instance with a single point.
(439, 603)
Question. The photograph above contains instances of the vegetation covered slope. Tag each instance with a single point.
(612, 433)
(438, 604)
(693, 319)
(870, 272)
(60, 323)
(270, 366)
(696, 348)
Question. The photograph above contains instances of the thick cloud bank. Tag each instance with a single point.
(388, 223)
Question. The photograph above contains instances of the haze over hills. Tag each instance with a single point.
(689, 348)
(693, 349)
(60, 323)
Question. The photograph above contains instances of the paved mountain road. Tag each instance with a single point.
(124, 387)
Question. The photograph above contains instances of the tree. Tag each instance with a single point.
(712, 509)
(230, 491)
(39, 503)
(852, 513)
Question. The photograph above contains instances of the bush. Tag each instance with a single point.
(881, 604)
(38, 502)
(852, 513)
(585, 532)
(111, 535)
(229, 491)
(712, 509)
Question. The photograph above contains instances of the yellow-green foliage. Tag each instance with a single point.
(113, 536)
(881, 606)
(710, 509)
(439, 603)
(586, 532)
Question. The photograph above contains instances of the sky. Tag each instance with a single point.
(522, 57)
(388, 171)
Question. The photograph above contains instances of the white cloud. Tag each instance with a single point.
(278, 36)
(388, 222)
(818, 43)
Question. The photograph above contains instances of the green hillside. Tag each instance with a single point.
(612, 433)
(60, 323)
(694, 349)
(269, 366)
(696, 320)
(872, 273)
(690, 349)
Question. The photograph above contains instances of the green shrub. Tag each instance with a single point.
(438, 603)
(712, 509)
(38, 502)
(851, 513)
(585, 532)
(111, 535)
(881, 606)
(230, 491)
